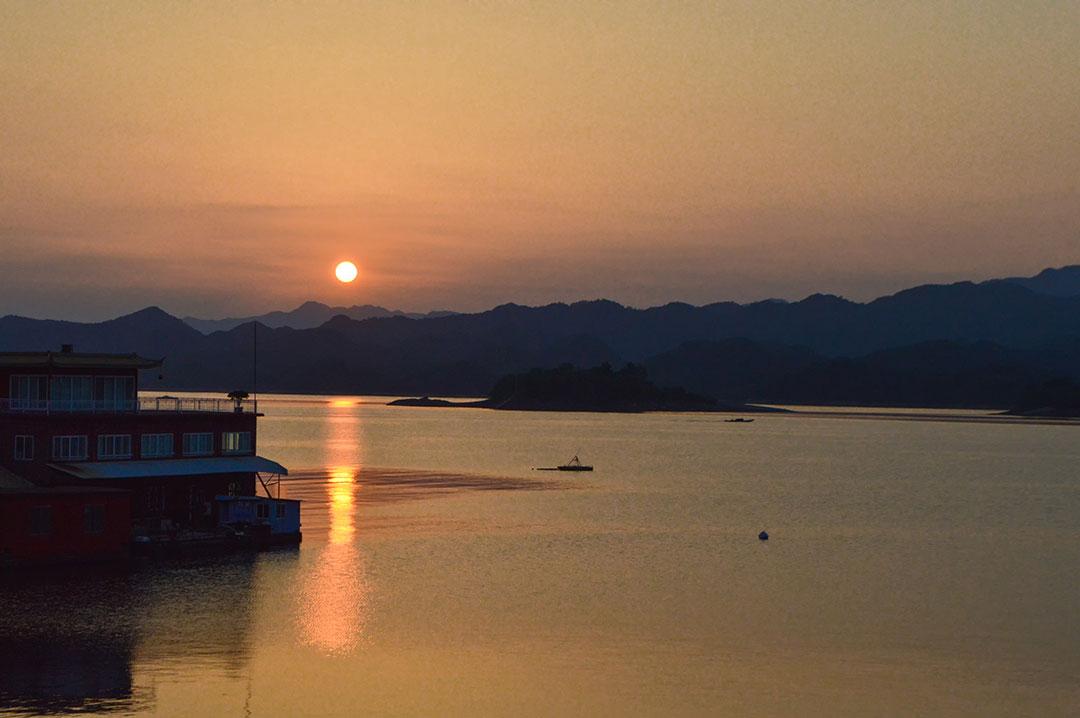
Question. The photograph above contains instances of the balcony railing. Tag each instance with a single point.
(198, 404)
(173, 404)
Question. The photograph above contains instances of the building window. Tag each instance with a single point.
(69, 448)
(41, 520)
(280, 510)
(115, 393)
(29, 392)
(94, 519)
(154, 500)
(114, 446)
(200, 444)
(156, 445)
(262, 510)
(71, 393)
(24, 448)
(236, 442)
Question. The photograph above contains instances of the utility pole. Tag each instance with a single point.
(255, 364)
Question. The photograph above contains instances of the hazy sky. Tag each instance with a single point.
(219, 158)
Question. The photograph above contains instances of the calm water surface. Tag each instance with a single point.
(914, 568)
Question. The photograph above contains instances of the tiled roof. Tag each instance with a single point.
(9, 480)
(73, 360)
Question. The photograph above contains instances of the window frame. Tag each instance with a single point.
(21, 441)
(126, 403)
(61, 456)
(16, 400)
(157, 440)
(243, 441)
(190, 435)
(104, 439)
(94, 519)
(71, 403)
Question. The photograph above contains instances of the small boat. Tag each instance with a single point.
(740, 420)
(574, 464)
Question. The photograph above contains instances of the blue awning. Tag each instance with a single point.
(94, 470)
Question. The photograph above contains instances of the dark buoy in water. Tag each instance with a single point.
(763, 536)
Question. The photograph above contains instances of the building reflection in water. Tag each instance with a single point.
(92, 639)
(63, 649)
(334, 600)
(103, 640)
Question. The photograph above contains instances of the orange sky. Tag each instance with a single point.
(219, 158)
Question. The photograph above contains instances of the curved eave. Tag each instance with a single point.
(141, 469)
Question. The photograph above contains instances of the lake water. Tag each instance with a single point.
(914, 568)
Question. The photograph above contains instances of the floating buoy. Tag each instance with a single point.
(763, 536)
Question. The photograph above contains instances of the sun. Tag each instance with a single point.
(346, 272)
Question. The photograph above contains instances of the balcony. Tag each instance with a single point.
(164, 404)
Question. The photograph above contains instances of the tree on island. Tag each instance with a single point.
(601, 388)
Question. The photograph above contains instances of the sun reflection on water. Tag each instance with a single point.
(342, 488)
(335, 599)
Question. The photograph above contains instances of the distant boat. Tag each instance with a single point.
(740, 420)
(574, 464)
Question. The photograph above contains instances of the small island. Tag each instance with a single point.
(427, 401)
(601, 388)
(1053, 399)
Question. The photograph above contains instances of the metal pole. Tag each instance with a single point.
(255, 364)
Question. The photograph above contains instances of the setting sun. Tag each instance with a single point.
(346, 272)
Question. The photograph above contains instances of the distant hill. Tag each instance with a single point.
(151, 331)
(600, 388)
(307, 316)
(931, 374)
(960, 344)
(1061, 282)
(1055, 398)
(1002, 313)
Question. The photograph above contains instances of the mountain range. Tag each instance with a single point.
(962, 344)
(307, 316)
(1061, 282)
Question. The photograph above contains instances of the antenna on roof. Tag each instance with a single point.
(255, 364)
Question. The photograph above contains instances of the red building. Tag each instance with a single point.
(61, 524)
(73, 422)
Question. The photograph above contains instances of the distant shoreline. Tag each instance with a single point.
(875, 413)
(824, 411)
(914, 415)
(428, 402)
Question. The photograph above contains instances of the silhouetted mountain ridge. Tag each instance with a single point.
(150, 331)
(307, 316)
(930, 374)
(1060, 282)
(981, 342)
